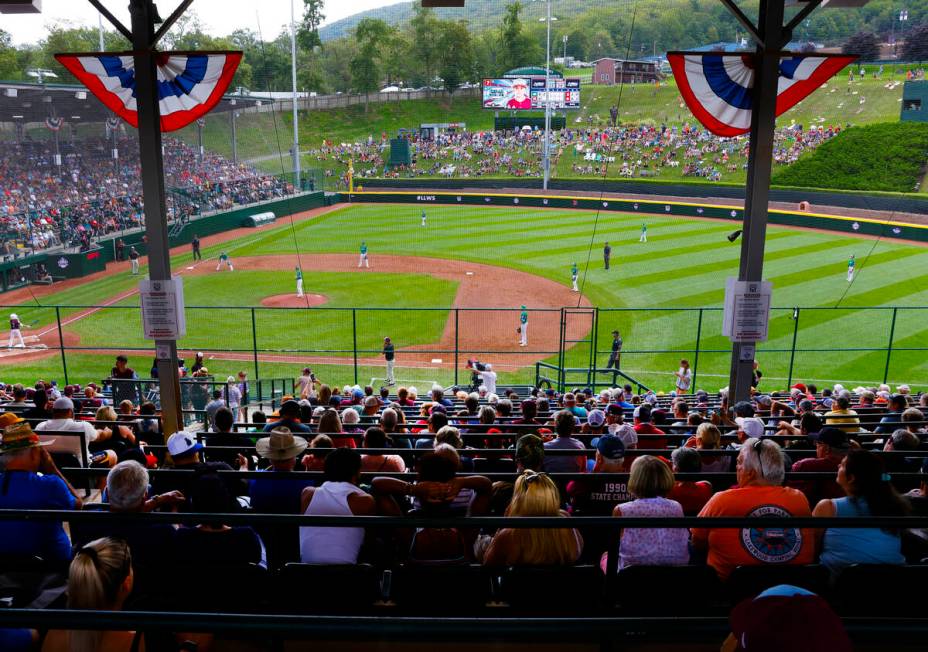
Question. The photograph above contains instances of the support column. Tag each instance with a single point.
(156, 229)
(760, 162)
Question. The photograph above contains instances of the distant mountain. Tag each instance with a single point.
(479, 13)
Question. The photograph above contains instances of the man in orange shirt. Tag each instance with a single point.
(759, 493)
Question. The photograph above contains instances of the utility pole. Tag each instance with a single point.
(144, 16)
(547, 159)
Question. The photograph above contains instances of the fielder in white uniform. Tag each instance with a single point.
(523, 327)
(299, 281)
(363, 259)
(16, 333)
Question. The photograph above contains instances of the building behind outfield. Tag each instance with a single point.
(612, 71)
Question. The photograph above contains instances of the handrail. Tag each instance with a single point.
(489, 522)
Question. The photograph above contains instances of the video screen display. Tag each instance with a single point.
(528, 94)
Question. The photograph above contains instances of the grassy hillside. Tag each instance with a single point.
(263, 136)
(890, 157)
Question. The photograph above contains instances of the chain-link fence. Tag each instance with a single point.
(823, 345)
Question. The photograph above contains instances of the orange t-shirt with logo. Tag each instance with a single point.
(731, 547)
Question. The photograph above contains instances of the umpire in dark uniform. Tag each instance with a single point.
(607, 252)
(615, 357)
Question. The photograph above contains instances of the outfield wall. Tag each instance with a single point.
(220, 222)
(849, 199)
(836, 223)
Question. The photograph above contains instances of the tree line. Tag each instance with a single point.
(428, 50)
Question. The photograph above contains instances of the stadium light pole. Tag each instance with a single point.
(547, 152)
(296, 127)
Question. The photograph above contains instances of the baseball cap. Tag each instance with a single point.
(596, 418)
(800, 386)
(614, 410)
(831, 436)
(611, 447)
(752, 427)
(787, 617)
(763, 399)
(624, 432)
(357, 393)
(183, 443)
(63, 403)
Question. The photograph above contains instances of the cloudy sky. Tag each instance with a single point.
(219, 16)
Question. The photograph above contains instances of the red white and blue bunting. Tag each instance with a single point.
(54, 124)
(190, 84)
(719, 87)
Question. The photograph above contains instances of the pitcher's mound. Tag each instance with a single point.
(293, 301)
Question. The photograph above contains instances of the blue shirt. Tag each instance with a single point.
(277, 496)
(842, 547)
(27, 490)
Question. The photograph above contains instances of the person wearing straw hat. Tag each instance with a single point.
(31, 481)
(281, 448)
(16, 333)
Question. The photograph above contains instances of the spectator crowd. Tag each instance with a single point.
(44, 205)
(330, 451)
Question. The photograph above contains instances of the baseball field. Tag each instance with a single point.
(457, 284)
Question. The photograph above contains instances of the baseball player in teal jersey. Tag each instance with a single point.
(224, 259)
(574, 273)
(299, 281)
(423, 217)
(523, 327)
(850, 268)
(644, 233)
(363, 260)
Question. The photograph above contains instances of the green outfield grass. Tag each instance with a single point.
(683, 266)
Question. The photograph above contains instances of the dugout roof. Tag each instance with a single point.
(24, 102)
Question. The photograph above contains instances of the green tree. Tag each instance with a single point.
(578, 44)
(308, 30)
(9, 68)
(426, 49)
(511, 36)
(366, 65)
(865, 45)
(915, 47)
(456, 64)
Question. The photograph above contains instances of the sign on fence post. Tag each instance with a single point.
(747, 310)
(163, 309)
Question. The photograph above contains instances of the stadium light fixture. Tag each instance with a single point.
(17, 117)
(80, 95)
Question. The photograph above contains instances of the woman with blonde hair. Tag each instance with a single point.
(100, 578)
(709, 437)
(534, 494)
(649, 482)
(120, 434)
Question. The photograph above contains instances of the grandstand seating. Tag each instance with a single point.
(387, 585)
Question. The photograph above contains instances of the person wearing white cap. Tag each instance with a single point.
(16, 333)
(233, 394)
(520, 98)
(63, 421)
